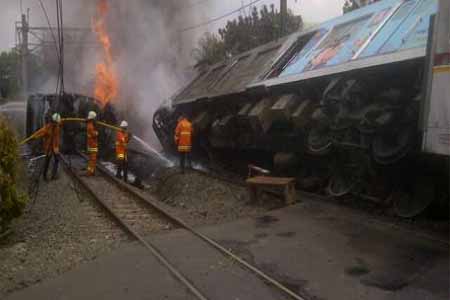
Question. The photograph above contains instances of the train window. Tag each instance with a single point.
(343, 33)
(264, 56)
(296, 51)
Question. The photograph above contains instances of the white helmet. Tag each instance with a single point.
(124, 124)
(92, 115)
(56, 118)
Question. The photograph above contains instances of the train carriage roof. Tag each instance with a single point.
(386, 32)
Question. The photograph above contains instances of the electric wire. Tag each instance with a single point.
(61, 47)
(50, 27)
(213, 20)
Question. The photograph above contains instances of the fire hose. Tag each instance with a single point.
(75, 120)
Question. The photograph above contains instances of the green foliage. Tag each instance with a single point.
(12, 201)
(10, 73)
(209, 49)
(245, 33)
(351, 5)
(9, 77)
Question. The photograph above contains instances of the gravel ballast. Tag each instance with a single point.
(199, 199)
(59, 230)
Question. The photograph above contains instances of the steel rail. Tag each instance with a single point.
(152, 202)
(183, 279)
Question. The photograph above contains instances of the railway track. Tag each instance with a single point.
(139, 215)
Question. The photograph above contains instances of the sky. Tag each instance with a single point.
(314, 11)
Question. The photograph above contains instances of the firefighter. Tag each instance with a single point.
(183, 140)
(50, 134)
(122, 139)
(92, 143)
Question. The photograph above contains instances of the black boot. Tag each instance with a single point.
(55, 167)
(125, 171)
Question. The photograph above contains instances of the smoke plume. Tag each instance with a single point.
(151, 56)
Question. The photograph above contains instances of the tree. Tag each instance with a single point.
(245, 33)
(10, 72)
(9, 66)
(210, 47)
(351, 5)
(12, 201)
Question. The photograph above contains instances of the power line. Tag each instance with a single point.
(50, 27)
(221, 17)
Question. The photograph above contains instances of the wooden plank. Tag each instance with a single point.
(266, 180)
(290, 194)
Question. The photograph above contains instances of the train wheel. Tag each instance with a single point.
(319, 141)
(341, 184)
(409, 205)
(390, 147)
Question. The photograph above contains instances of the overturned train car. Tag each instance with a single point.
(40, 108)
(341, 106)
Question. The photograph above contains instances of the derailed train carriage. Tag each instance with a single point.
(143, 163)
(41, 106)
(349, 106)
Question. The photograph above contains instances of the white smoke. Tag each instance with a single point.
(152, 57)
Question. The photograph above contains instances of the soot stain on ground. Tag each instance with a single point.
(287, 234)
(357, 271)
(240, 249)
(261, 235)
(385, 283)
(265, 221)
(412, 260)
(297, 286)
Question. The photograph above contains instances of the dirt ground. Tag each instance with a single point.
(63, 228)
(59, 230)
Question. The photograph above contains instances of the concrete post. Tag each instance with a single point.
(283, 13)
(24, 55)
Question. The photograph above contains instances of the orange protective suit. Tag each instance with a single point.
(50, 134)
(122, 139)
(92, 147)
(183, 135)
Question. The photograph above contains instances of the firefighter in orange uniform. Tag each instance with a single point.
(183, 140)
(50, 134)
(122, 139)
(92, 143)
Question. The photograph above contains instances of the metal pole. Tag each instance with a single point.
(24, 54)
(283, 13)
(443, 33)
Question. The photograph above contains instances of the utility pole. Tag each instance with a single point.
(283, 13)
(24, 54)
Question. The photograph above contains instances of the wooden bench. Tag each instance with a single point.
(287, 184)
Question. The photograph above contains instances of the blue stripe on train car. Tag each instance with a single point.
(413, 32)
(396, 25)
(344, 36)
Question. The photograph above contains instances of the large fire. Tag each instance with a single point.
(106, 83)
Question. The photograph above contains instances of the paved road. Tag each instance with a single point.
(319, 250)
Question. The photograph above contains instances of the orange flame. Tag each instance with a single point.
(106, 83)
